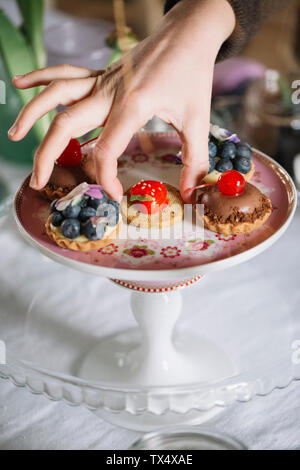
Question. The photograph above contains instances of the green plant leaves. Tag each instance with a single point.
(32, 12)
(19, 59)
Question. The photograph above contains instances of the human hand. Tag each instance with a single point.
(168, 75)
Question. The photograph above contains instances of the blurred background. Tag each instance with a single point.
(251, 95)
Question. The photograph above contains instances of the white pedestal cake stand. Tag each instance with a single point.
(152, 375)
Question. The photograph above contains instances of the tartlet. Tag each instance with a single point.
(71, 169)
(155, 213)
(84, 220)
(234, 206)
(62, 181)
(227, 152)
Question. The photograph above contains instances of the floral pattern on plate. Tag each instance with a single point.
(139, 251)
(170, 252)
(199, 244)
(109, 249)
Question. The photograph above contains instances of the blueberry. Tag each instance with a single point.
(242, 164)
(91, 232)
(95, 203)
(212, 165)
(228, 151)
(213, 139)
(111, 210)
(243, 150)
(71, 212)
(56, 219)
(224, 165)
(70, 228)
(212, 149)
(84, 202)
(86, 213)
(52, 207)
(114, 203)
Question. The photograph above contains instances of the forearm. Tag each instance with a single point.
(250, 16)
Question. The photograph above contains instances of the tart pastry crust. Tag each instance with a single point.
(55, 193)
(89, 245)
(237, 229)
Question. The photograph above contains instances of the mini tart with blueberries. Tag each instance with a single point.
(152, 204)
(84, 220)
(234, 206)
(227, 152)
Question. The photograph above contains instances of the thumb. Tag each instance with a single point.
(194, 159)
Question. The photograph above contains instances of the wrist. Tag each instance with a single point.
(206, 21)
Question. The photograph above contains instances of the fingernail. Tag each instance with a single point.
(12, 130)
(16, 77)
(33, 181)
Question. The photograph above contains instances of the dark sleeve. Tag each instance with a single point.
(250, 16)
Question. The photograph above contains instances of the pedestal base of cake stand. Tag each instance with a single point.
(154, 354)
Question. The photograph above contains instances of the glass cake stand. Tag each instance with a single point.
(154, 375)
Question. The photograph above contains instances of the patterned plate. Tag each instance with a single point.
(149, 259)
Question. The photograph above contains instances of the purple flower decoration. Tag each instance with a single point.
(94, 191)
(232, 137)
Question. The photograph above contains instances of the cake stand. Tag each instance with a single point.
(154, 375)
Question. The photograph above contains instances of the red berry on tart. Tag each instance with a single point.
(152, 204)
(150, 194)
(231, 183)
(71, 156)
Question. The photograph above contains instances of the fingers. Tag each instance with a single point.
(48, 74)
(59, 92)
(194, 158)
(75, 121)
(117, 133)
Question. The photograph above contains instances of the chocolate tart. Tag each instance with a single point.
(88, 167)
(233, 215)
(62, 181)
